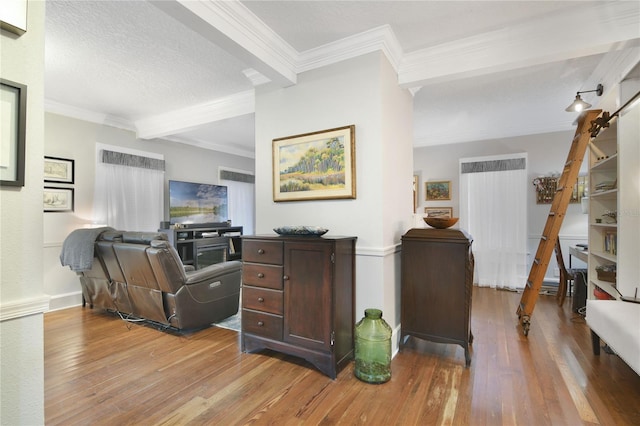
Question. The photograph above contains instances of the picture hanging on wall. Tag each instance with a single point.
(438, 190)
(416, 186)
(59, 170)
(315, 166)
(443, 212)
(13, 112)
(57, 199)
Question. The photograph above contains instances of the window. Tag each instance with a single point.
(493, 209)
(129, 189)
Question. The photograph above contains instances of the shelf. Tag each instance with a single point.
(609, 163)
(606, 256)
(610, 194)
(606, 286)
(605, 225)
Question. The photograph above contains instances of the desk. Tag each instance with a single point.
(580, 280)
(579, 253)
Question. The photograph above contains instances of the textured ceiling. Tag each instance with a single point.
(186, 70)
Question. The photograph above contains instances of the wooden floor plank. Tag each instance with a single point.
(102, 371)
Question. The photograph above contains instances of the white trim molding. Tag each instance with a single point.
(24, 308)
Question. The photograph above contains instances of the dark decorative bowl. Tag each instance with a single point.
(441, 222)
(311, 231)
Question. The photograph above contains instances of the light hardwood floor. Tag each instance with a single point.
(101, 370)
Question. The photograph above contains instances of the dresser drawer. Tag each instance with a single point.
(262, 324)
(261, 299)
(260, 251)
(259, 275)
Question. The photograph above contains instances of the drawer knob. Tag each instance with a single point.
(260, 251)
(260, 275)
(260, 323)
(286, 277)
(260, 299)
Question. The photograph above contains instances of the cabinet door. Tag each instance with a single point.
(307, 294)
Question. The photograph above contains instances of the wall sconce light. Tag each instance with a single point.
(578, 104)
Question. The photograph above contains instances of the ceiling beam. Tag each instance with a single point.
(186, 119)
(233, 27)
(597, 30)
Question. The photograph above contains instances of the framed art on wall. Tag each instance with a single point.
(58, 199)
(13, 16)
(416, 186)
(13, 112)
(315, 166)
(60, 170)
(438, 190)
(443, 212)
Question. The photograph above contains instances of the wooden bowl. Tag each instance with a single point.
(441, 222)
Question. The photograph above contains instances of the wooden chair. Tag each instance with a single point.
(566, 276)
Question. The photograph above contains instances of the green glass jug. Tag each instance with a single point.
(373, 348)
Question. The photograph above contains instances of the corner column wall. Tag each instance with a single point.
(363, 91)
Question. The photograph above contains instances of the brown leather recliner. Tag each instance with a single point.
(140, 274)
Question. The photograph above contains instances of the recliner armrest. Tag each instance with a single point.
(213, 271)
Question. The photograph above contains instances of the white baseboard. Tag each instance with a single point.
(64, 301)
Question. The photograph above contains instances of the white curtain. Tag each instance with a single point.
(493, 209)
(129, 195)
(241, 199)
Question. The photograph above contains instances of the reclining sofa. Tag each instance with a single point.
(139, 274)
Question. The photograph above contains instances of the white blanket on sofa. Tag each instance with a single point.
(618, 324)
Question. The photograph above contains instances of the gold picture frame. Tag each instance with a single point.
(437, 190)
(315, 166)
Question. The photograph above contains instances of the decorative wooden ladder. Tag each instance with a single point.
(556, 215)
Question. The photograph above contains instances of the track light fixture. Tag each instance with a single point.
(578, 104)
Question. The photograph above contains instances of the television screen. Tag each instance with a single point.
(197, 202)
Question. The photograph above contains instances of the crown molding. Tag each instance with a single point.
(87, 115)
(377, 39)
(184, 119)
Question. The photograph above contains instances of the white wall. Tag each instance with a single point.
(547, 154)
(363, 92)
(76, 139)
(22, 301)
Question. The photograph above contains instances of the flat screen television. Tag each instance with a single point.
(197, 202)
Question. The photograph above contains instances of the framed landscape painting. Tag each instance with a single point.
(438, 190)
(315, 166)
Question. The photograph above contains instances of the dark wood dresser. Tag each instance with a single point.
(437, 283)
(298, 298)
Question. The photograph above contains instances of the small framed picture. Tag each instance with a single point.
(443, 212)
(438, 190)
(416, 186)
(57, 199)
(59, 170)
